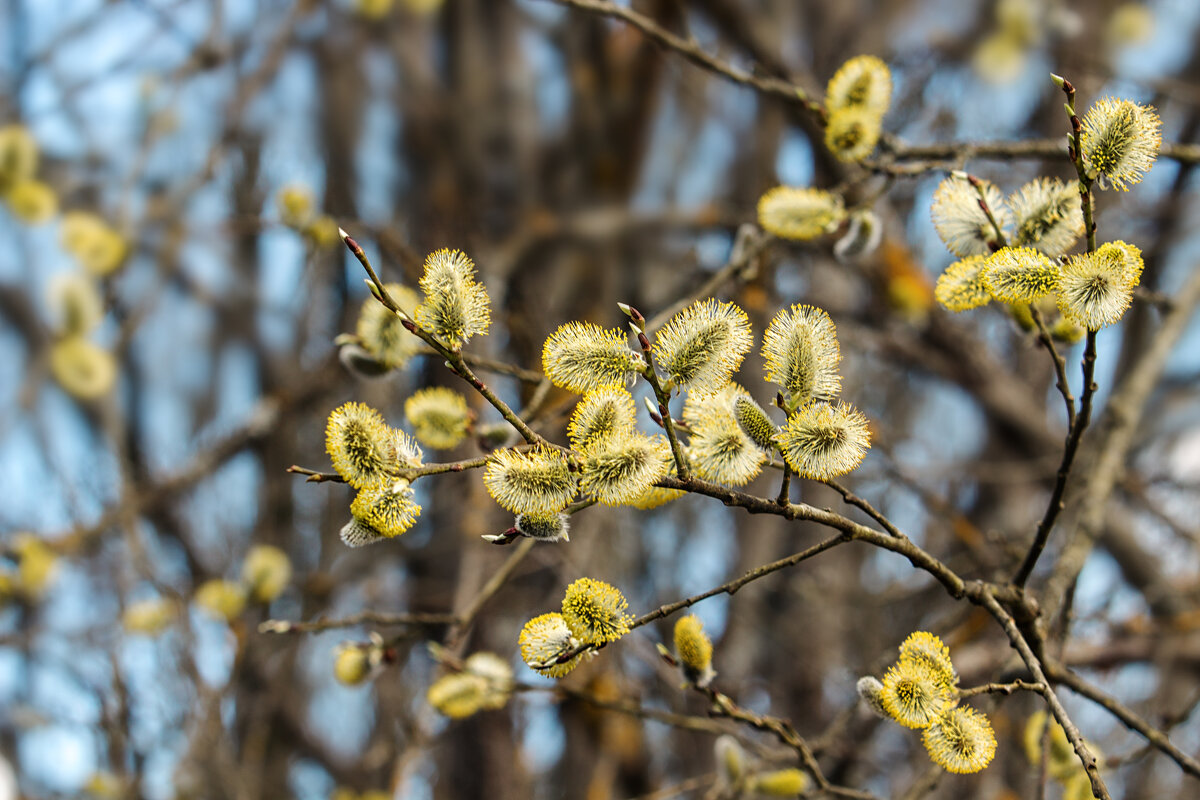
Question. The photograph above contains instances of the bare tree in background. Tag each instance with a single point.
(181, 316)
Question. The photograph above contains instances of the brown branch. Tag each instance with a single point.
(858, 502)
(733, 586)
(1122, 415)
(1060, 366)
(410, 474)
(723, 706)
(958, 152)
(1080, 423)
(1017, 639)
(361, 618)
(661, 394)
(1074, 435)
(1064, 676)
(689, 49)
(501, 368)
(630, 708)
(1002, 688)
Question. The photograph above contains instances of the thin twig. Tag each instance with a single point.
(1002, 688)
(454, 358)
(663, 397)
(361, 618)
(493, 585)
(858, 502)
(683, 721)
(772, 87)
(723, 705)
(729, 588)
(1074, 435)
(1028, 149)
(733, 586)
(1060, 365)
(1064, 676)
(785, 486)
(1017, 639)
(408, 473)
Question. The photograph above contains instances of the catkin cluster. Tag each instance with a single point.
(1016, 251)
(856, 98)
(84, 369)
(372, 456)
(593, 614)
(1085, 291)
(920, 691)
(484, 683)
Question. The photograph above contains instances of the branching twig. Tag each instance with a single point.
(723, 705)
(1131, 720)
(408, 473)
(663, 397)
(772, 87)
(1028, 149)
(361, 618)
(454, 358)
(1002, 688)
(1075, 433)
(862, 504)
(1017, 639)
(1060, 365)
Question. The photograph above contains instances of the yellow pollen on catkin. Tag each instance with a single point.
(455, 307)
(356, 440)
(801, 354)
(439, 416)
(537, 480)
(595, 611)
(799, 213)
(914, 694)
(822, 441)
(960, 740)
(694, 650)
(703, 345)
(580, 357)
(543, 640)
(863, 82)
(1020, 275)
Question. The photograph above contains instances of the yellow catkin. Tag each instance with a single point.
(595, 611)
(694, 650)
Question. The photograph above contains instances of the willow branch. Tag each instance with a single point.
(852, 499)
(723, 705)
(1074, 435)
(361, 618)
(689, 49)
(1060, 365)
(408, 473)
(1002, 688)
(454, 358)
(733, 586)
(493, 585)
(1158, 739)
(1028, 149)
(1017, 639)
(663, 397)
